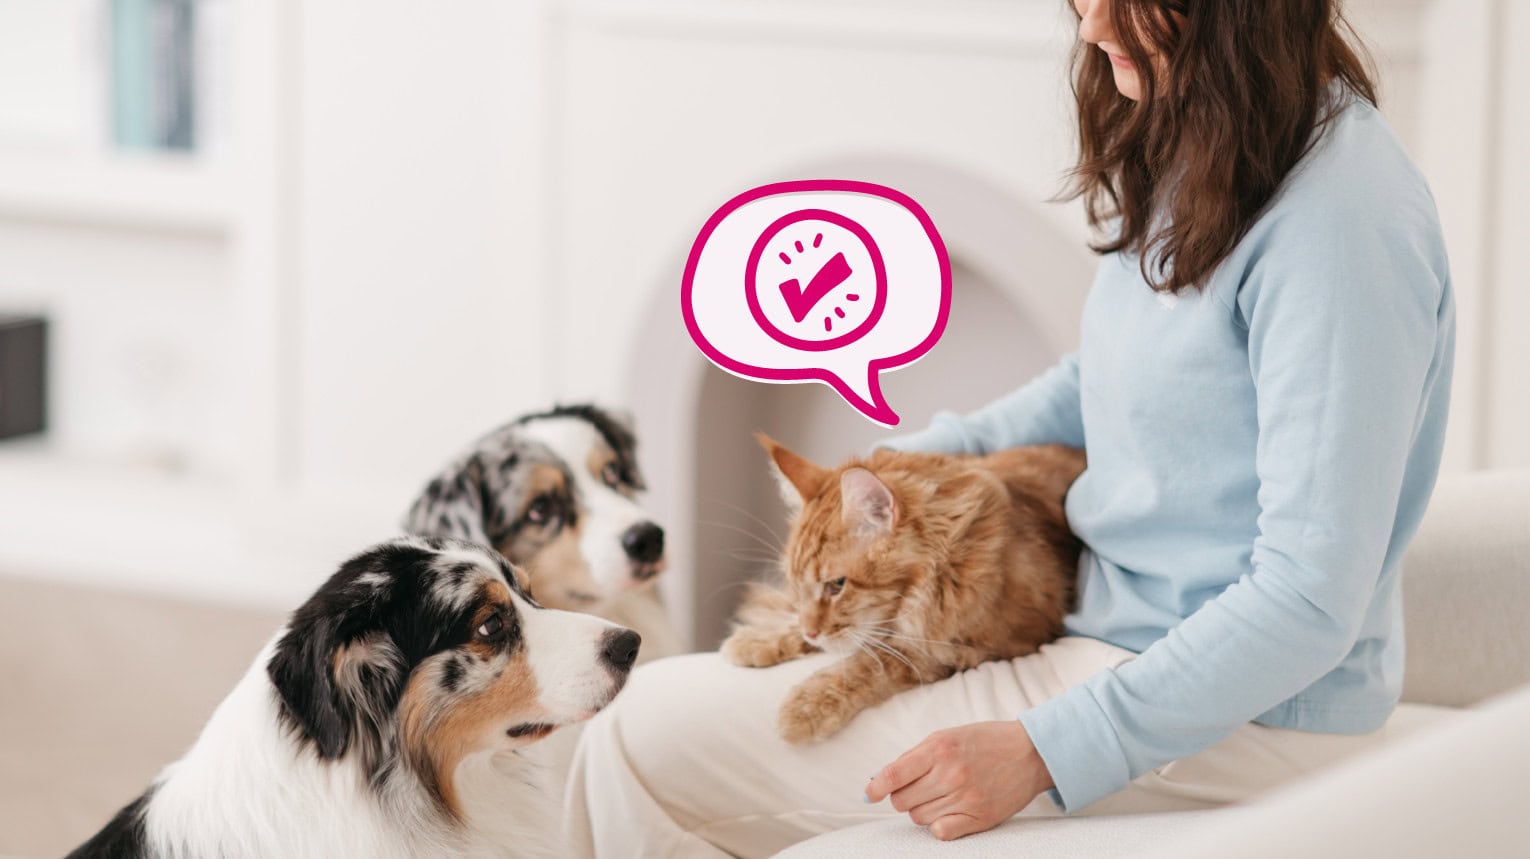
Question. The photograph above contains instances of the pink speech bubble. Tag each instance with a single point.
(828, 281)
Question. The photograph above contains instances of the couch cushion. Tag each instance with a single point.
(1059, 837)
(1466, 591)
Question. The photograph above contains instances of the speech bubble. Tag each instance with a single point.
(828, 281)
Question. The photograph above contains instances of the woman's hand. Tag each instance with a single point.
(964, 780)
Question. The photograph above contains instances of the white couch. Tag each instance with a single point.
(1458, 788)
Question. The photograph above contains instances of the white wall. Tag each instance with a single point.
(428, 220)
(1469, 142)
(726, 102)
(421, 274)
(1506, 367)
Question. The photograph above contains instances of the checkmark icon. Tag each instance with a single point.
(802, 301)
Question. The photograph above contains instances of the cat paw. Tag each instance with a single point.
(753, 648)
(811, 713)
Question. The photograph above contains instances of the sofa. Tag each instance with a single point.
(87, 721)
(1458, 787)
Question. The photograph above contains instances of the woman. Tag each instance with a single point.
(1261, 387)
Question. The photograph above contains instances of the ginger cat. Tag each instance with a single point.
(913, 565)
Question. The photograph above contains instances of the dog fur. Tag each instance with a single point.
(394, 716)
(556, 493)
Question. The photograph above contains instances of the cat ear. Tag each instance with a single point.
(799, 479)
(869, 507)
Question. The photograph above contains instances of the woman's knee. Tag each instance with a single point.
(699, 706)
(664, 702)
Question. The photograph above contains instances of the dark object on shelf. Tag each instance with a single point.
(23, 374)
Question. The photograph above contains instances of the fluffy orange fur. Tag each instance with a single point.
(915, 566)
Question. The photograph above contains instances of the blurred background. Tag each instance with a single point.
(266, 264)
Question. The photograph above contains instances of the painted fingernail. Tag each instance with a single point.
(866, 799)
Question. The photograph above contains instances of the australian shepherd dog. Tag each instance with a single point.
(393, 716)
(557, 493)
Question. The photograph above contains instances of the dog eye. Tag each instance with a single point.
(611, 475)
(542, 509)
(834, 587)
(491, 627)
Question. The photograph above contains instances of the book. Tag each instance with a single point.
(153, 68)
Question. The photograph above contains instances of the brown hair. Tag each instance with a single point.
(1239, 94)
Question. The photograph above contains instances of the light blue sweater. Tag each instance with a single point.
(1260, 454)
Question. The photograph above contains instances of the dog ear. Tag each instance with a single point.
(618, 428)
(302, 670)
(623, 418)
(334, 685)
(798, 479)
(458, 502)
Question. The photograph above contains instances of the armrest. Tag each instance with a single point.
(1466, 591)
(1455, 790)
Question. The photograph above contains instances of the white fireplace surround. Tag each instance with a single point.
(996, 242)
(498, 219)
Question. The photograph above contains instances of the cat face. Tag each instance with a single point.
(848, 563)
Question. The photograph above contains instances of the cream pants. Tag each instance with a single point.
(687, 761)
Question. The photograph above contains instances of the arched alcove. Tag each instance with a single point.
(1018, 287)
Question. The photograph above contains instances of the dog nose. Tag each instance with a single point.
(621, 648)
(644, 542)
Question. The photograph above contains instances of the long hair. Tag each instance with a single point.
(1240, 90)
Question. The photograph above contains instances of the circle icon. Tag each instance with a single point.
(815, 280)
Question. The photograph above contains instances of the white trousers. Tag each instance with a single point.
(687, 762)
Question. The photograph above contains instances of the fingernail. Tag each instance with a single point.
(866, 799)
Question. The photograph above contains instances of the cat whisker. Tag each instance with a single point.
(860, 644)
(914, 646)
(885, 630)
(743, 555)
(720, 590)
(917, 651)
(762, 523)
(893, 652)
(768, 546)
(901, 637)
(875, 649)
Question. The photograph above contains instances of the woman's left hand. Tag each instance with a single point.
(964, 780)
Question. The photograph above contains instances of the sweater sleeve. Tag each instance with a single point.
(1346, 330)
(1044, 411)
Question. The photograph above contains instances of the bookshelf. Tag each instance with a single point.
(149, 260)
(115, 112)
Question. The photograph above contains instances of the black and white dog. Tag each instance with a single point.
(390, 717)
(556, 493)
